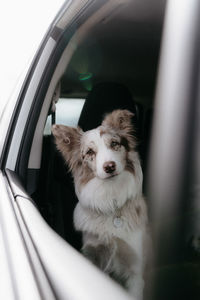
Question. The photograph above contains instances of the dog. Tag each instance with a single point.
(111, 212)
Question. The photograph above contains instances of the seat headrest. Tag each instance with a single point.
(104, 98)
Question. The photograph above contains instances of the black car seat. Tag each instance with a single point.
(104, 98)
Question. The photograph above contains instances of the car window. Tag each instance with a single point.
(67, 113)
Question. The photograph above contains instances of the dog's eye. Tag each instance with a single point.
(90, 152)
(114, 144)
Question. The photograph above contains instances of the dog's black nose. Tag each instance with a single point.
(109, 166)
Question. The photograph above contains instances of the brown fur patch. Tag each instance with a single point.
(86, 175)
(130, 166)
(102, 131)
(120, 120)
(105, 256)
(67, 140)
(138, 210)
(130, 212)
(124, 142)
(125, 257)
(99, 255)
(125, 254)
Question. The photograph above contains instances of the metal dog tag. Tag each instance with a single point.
(118, 222)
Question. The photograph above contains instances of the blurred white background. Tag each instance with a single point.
(23, 24)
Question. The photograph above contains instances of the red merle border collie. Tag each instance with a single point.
(111, 212)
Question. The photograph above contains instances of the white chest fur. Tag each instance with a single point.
(105, 195)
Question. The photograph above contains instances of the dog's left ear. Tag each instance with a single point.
(120, 120)
(67, 140)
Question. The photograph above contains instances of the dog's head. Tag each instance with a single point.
(101, 152)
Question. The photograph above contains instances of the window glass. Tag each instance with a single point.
(67, 113)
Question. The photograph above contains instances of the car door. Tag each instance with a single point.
(22, 275)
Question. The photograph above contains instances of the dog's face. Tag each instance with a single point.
(102, 152)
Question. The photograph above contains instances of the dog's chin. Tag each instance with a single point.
(108, 176)
(112, 176)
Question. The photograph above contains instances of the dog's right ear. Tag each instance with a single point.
(120, 119)
(67, 141)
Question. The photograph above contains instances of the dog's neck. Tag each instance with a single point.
(107, 196)
(115, 211)
(133, 211)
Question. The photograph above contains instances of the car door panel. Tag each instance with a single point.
(22, 277)
(60, 270)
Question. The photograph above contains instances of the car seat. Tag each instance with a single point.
(104, 98)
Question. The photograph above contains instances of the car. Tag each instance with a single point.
(99, 55)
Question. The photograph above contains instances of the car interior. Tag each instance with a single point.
(113, 65)
(105, 62)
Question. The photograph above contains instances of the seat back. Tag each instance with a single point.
(104, 98)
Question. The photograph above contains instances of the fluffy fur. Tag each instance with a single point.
(111, 212)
